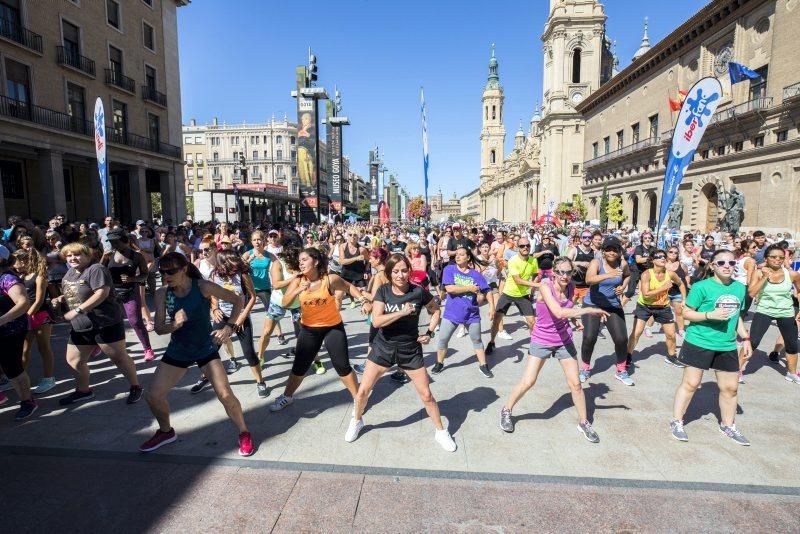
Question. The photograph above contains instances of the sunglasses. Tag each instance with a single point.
(586, 236)
(559, 272)
(169, 272)
(524, 246)
(205, 250)
(659, 256)
(725, 263)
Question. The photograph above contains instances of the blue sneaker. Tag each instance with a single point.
(624, 377)
(584, 375)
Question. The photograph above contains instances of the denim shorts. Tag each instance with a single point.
(559, 352)
(276, 313)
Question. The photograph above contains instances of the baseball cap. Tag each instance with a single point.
(457, 226)
(612, 242)
(4, 253)
(140, 222)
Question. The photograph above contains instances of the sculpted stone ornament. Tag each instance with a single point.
(675, 213)
(733, 204)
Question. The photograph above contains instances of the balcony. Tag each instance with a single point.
(791, 92)
(630, 149)
(741, 110)
(76, 61)
(17, 109)
(13, 31)
(142, 143)
(150, 94)
(117, 79)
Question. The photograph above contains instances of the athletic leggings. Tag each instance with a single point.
(448, 328)
(245, 336)
(633, 283)
(310, 340)
(11, 355)
(786, 326)
(619, 334)
(133, 309)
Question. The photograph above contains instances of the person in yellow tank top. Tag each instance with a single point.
(320, 322)
(653, 301)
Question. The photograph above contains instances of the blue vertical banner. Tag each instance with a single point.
(695, 116)
(424, 140)
(100, 150)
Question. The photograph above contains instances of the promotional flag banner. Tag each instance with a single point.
(740, 73)
(424, 140)
(100, 149)
(675, 104)
(695, 115)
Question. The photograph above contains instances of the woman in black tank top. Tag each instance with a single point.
(351, 258)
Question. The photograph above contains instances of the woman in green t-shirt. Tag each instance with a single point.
(713, 307)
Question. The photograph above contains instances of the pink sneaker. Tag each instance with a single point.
(3, 398)
(149, 355)
(246, 447)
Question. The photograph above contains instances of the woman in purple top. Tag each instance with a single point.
(466, 290)
(552, 337)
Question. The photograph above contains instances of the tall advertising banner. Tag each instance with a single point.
(695, 116)
(100, 149)
(334, 141)
(373, 185)
(306, 152)
(425, 160)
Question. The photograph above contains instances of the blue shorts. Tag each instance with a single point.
(276, 313)
(676, 298)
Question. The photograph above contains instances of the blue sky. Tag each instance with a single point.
(238, 57)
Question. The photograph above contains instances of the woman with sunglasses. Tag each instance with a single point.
(207, 260)
(147, 246)
(676, 297)
(654, 303)
(641, 262)
(320, 322)
(185, 299)
(772, 288)
(581, 256)
(263, 267)
(551, 336)
(607, 278)
(713, 309)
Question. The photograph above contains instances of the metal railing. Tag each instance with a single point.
(633, 147)
(75, 60)
(117, 79)
(14, 31)
(764, 102)
(150, 93)
(791, 91)
(18, 109)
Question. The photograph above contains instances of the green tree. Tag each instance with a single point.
(363, 209)
(614, 211)
(155, 205)
(190, 206)
(604, 208)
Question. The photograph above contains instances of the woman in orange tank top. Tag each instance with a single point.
(320, 322)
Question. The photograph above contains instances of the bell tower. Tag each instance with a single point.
(493, 133)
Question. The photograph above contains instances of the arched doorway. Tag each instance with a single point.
(652, 210)
(635, 209)
(708, 219)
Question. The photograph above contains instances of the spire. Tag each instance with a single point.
(493, 82)
(615, 63)
(519, 138)
(645, 46)
(534, 128)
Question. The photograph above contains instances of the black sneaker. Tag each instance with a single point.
(231, 366)
(199, 385)
(26, 409)
(484, 369)
(290, 354)
(490, 347)
(673, 360)
(359, 368)
(135, 394)
(400, 377)
(282, 340)
(774, 356)
(263, 392)
(437, 368)
(76, 396)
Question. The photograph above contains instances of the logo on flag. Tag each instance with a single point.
(739, 73)
(100, 149)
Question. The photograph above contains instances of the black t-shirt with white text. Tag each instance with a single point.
(454, 243)
(644, 252)
(395, 247)
(406, 328)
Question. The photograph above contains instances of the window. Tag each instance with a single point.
(492, 157)
(292, 140)
(280, 172)
(294, 172)
(279, 140)
(198, 158)
(190, 159)
(704, 154)
(620, 139)
(113, 15)
(635, 133)
(236, 140)
(119, 117)
(11, 176)
(255, 171)
(115, 60)
(595, 149)
(576, 65)
(607, 145)
(653, 120)
(198, 140)
(10, 15)
(576, 169)
(190, 174)
(190, 191)
(150, 77)
(758, 87)
(72, 41)
(738, 146)
(154, 127)
(265, 154)
(265, 139)
(215, 156)
(255, 154)
(758, 141)
(199, 173)
(148, 2)
(187, 140)
(148, 36)
(293, 155)
(781, 136)
(494, 112)
(720, 150)
(279, 154)
(235, 155)
(18, 84)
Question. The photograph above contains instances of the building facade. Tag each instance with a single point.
(56, 59)
(442, 210)
(471, 205)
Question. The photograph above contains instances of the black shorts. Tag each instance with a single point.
(705, 359)
(523, 304)
(185, 364)
(358, 282)
(405, 355)
(660, 314)
(106, 335)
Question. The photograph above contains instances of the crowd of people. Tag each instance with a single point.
(717, 294)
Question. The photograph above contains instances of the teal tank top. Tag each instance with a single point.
(775, 300)
(259, 271)
(192, 341)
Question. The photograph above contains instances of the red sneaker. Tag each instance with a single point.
(246, 447)
(149, 355)
(159, 439)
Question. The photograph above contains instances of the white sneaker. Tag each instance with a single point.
(444, 439)
(792, 378)
(353, 430)
(648, 332)
(280, 403)
(502, 334)
(461, 332)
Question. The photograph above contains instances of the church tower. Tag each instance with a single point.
(493, 133)
(575, 53)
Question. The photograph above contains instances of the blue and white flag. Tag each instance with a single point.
(693, 119)
(739, 73)
(100, 149)
(424, 140)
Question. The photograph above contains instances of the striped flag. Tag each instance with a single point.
(424, 141)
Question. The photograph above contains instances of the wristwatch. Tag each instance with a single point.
(430, 334)
(78, 310)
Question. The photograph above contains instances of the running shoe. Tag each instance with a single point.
(584, 375)
(280, 403)
(231, 366)
(624, 377)
(792, 378)
(5, 384)
(353, 430)
(246, 447)
(319, 367)
(734, 434)
(261, 389)
(437, 368)
(75, 397)
(199, 385)
(588, 432)
(26, 409)
(282, 340)
(484, 369)
(677, 431)
(3, 398)
(461, 332)
(490, 347)
(502, 334)
(673, 360)
(44, 385)
(399, 377)
(290, 354)
(149, 355)
(159, 439)
(134, 394)
(741, 378)
(506, 423)
(444, 439)
(774, 356)
(359, 368)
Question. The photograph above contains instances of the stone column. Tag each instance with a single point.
(140, 201)
(167, 189)
(51, 171)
